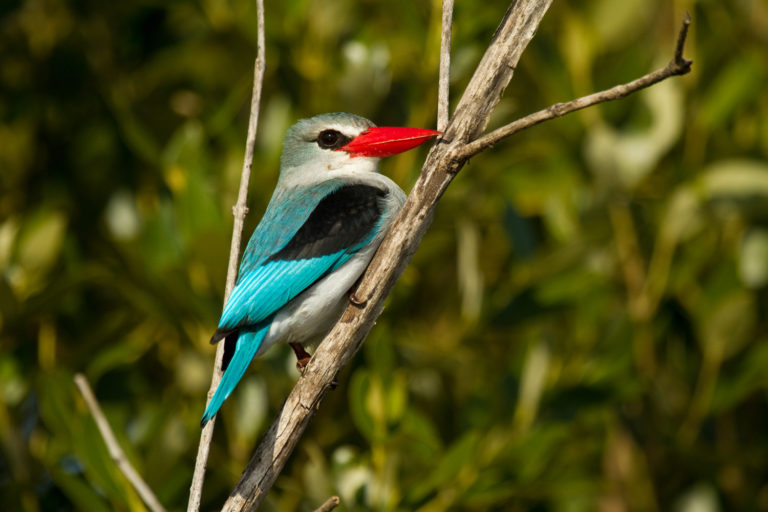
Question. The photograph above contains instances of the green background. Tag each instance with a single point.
(583, 328)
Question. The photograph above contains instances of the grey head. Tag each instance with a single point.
(311, 142)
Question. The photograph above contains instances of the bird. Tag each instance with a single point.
(327, 216)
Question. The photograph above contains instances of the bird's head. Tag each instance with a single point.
(330, 142)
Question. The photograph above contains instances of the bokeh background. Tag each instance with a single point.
(583, 328)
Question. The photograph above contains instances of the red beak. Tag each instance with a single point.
(381, 141)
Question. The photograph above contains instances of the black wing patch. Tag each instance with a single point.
(221, 333)
(342, 219)
(230, 344)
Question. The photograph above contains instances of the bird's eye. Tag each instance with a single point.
(329, 139)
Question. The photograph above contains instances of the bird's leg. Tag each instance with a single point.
(354, 299)
(302, 360)
(302, 356)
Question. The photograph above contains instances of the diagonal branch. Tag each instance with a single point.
(117, 454)
(239, 211)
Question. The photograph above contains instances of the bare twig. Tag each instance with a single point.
(677, 66)
(117, 454)
(680, 46)
(443, 87)
(329, 504)
(239, 212)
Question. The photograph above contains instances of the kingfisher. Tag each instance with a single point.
(328, 214)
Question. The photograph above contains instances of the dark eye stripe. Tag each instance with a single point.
(332, 139)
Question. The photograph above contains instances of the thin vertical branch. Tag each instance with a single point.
(117, 454)
(443, 88)
(239, 212)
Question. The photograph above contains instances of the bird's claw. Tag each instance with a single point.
(302, 357)
(301, 364)
(355, 300)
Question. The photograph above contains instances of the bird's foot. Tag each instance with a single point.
(302, 356)
(355, 300)
(301, 364)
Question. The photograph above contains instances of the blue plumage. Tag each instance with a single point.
(248, 343)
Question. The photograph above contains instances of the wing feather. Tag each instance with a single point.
(341, 222)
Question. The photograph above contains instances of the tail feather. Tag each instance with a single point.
(221, 333)
(248, 343)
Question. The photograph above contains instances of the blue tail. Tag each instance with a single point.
(248, 343)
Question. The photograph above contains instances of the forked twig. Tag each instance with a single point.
(677, 66)
(239, 211)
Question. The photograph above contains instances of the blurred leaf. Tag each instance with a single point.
(733, 87)
(458, 457)
(627, 157)
(753, 260)
(14, 384)
(122, 217)
(742, 380)
(359, 387)
(682, 217)
(420, 435)
(470, 276)
(728, 326)
(79, 431)
(83, 496)
(615, 23)
(701, 498)
(532, 385)
(9, 228)
(735, 179)
(39, 243)
(119, 352)
(251, 409)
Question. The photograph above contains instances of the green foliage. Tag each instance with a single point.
(583, 328)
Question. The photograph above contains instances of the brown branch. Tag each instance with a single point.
(239, 212)
(677, 66)
(491, 77)
(117, 454)
(443, 84)
(329, 504)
